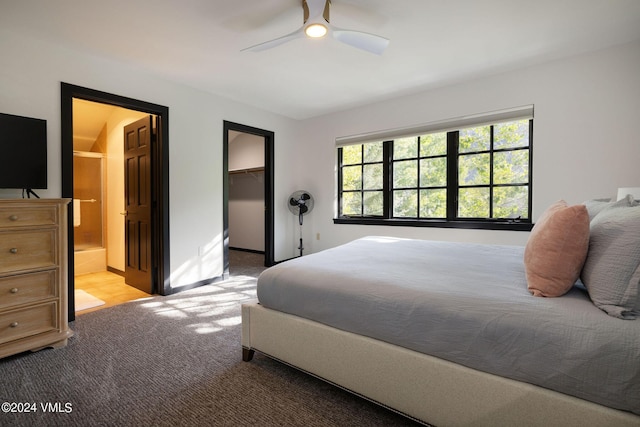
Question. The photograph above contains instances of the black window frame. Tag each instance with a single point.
(451, 221)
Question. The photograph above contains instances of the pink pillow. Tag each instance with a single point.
(557, 249)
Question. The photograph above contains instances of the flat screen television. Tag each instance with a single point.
(23, 152)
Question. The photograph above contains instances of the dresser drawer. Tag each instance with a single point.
(27, 217)
(23, 250)
(21, 323)
(27, 288)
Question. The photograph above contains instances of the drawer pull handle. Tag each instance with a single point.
(13, 250)
(14, 290)
(13, 218)
(14, 324)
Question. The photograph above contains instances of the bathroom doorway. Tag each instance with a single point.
(99, 241)
(158, 177)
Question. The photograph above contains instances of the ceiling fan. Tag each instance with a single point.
(317, 25)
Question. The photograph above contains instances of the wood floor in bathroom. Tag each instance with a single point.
(109, 287)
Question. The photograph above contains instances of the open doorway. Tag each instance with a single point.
(157, 175)
(102, 270)
(248, 193)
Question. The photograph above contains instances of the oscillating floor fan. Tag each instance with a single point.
(300, 204)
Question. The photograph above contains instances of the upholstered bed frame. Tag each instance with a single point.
(422, 387)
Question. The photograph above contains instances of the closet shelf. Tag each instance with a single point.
(247, 170)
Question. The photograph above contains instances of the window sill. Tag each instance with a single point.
(481, 225)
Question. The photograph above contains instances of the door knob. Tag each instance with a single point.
(124, 213)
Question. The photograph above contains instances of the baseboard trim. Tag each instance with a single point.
(253, 251)
(115, 271)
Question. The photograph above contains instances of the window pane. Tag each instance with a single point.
(351, 204)
(433, 172)
(405, 174)
(434, 144)
(373, 152)
(372, 179)
(405, 148)
(373, 203)
(433, 203)
(473, 203)
(352, 178)
(473, 169)
(352, 154)
(511, 135)
(474, 139)
(511, 167)
(511, 202)
(405, 203)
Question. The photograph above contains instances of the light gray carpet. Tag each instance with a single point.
(175, 361)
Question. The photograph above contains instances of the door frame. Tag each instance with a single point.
(268, 189)
(160, 165)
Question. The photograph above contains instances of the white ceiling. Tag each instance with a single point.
(433, 43)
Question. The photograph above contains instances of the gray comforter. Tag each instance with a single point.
(466, 303)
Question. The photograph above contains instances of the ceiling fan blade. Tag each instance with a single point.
(365, 41)
(299, 33)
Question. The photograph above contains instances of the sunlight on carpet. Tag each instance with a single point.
(214, 306)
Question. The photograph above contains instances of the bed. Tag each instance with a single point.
(447, 334)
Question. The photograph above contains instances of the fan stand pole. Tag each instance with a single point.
(301, 247)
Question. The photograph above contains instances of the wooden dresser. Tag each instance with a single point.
(33, 275)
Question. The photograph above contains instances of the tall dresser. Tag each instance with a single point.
(33, 275)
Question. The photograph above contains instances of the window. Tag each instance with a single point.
(362, 180)
(470, 177)
(419, 184)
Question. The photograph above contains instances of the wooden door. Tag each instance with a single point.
(137, 200)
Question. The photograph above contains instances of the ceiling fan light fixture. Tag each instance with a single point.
(316, 25)
(316, 31)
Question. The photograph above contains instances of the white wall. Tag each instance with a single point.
(30, 78)
(585, 141)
